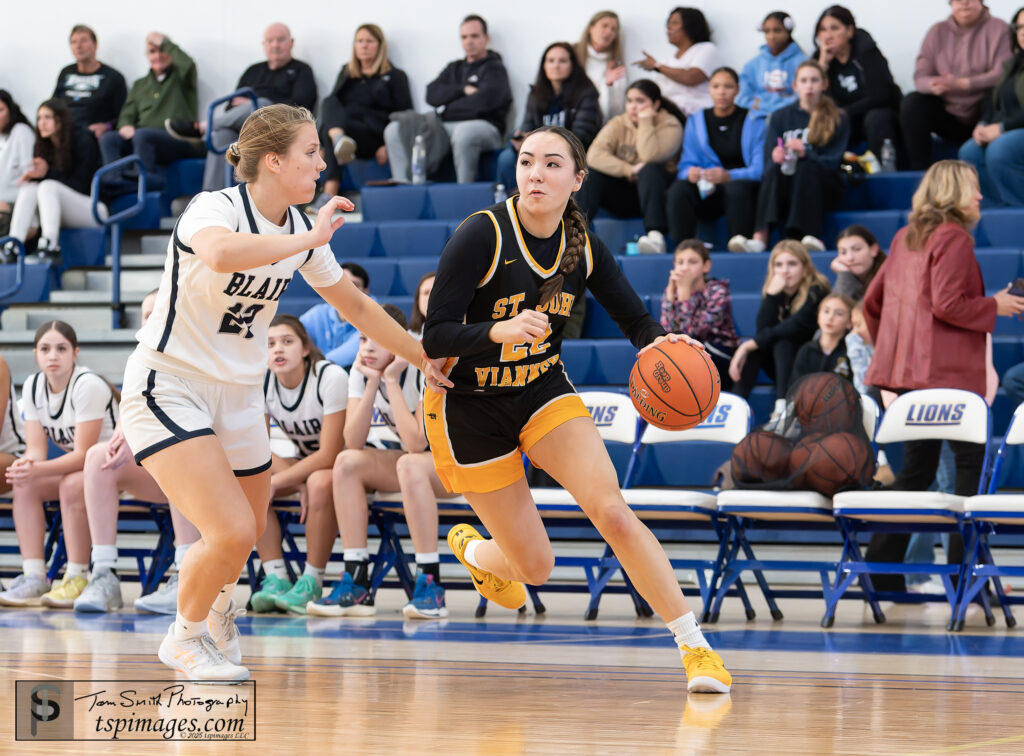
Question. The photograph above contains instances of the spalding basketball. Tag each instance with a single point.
(833, 462)
(761, 457)
(674, 385)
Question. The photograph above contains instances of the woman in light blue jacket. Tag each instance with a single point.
(720, 170)
(766, 83)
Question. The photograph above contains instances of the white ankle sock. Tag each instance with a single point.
(687, 632)
(104, 556)
(223, 600)
(316, 572)
(355, 555)
(432, 558)
(34, 567)
(276, 568)
(470, 553)
(76, 569)
(184, 629)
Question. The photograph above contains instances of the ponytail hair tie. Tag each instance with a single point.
(233, 149)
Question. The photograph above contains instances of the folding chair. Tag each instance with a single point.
(747, 509)
(728, 424)
(987, 514)
(946, 414)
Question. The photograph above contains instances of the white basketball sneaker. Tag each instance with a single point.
(221, 626)
(200, 660)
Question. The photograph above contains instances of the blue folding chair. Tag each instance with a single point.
(934, 414)
(986, 515)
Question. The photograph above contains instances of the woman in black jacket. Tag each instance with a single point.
(56, 187)
(562, 95)
(352, 118)
(859, 79)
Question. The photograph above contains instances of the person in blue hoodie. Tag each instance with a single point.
(721, 166)
(766, 83)
(859, 79)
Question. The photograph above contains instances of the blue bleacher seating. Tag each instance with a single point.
(355, 240)
(82, 246)
(998, 266)
(648, 274)
(382, 273)
(410, 272)
(35, 284)
(578, 357)
(182, 178)
(392, 203)
(1000, 227)
(615, 232)
(883, 191)
(882, 223)
(149, 218)
(412, 238)
(613, 360)
(457, 201)
(355, 174)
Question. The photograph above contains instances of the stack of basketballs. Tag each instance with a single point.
(820, 444)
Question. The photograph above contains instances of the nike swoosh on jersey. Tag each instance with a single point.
(509, 262)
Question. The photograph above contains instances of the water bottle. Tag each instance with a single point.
(500, 194)
(705, 188)
(419, 160)
(888, 156)
(788, 166)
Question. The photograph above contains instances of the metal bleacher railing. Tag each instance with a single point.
(112, 224)
(229, 172)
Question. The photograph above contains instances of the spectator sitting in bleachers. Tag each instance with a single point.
(57, 185)
(996, 148)
(383, 383)
(858, 261)
(561, 95)
(74, 408)
(94, 91)
(306, 396)
(721, 166)
(599, 52)
(472, 97)
(110, 469)
(699, 306)
(802, 180)
(960, 59)
(766, 81)
(630, 161)
(786, 320)
(335, 337)
(168, 90)
(279, 78)
(684, 74)
(353, 116)
(859, 78)
(929, 316)
(16, 140)
(12, 427)
(419, 303)
(827, 352)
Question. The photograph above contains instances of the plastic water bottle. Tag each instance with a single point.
(705, 188)
(419, 160)
(888, 156)
(499, 194)
(788, 166)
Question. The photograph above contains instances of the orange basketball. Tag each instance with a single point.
(674, 386)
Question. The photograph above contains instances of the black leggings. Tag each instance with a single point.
(627, 199)
(777, 361)
(797, 204)
(920, 116)
(736, 200)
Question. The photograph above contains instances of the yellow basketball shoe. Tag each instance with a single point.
(507, 593)
(705, 671)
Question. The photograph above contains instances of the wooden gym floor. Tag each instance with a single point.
(509, 684)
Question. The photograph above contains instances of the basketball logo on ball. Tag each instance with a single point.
(674, 386)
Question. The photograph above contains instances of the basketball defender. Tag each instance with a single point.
(192, 409)
(505, 287)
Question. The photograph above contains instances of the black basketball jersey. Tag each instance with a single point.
(491, 270)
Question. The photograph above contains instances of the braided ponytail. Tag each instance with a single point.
(574, 225)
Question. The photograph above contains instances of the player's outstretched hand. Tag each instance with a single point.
(672, 338)
(326, 224)
(529, 325)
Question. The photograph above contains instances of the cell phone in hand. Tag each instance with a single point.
(1017, 288)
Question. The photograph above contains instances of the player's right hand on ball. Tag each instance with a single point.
(529, 325)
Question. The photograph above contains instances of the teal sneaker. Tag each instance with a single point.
(271, 588)
(304, 591)
(427, 600)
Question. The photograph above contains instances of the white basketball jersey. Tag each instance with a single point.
(87, 397)
(12, 428)
(412, 393)
(300, 411)
(213, 326)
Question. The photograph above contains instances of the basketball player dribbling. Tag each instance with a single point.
(505, 287)
(192, 407)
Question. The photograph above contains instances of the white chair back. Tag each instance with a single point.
(1015, 433)
(614, 415)
(728, 423)
(380, 432)
(869, 408)
(940, 413)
